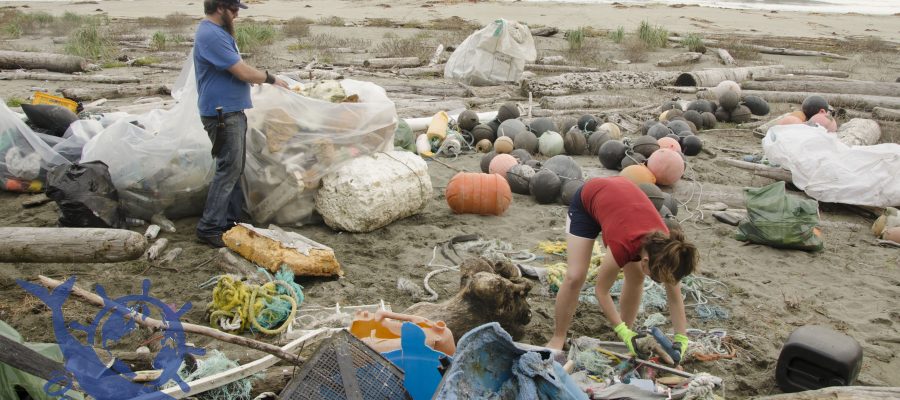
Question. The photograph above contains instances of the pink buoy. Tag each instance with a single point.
(667, 165)
(669, 143)
(502, 163)
(825, 120)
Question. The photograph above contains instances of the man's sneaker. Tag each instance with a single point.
(212, 240)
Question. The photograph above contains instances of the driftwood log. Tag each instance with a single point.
(795, 77)
(93, 93)
(772, 50)
(726, 57)
(778, 174)
(392, 62)
(436, 70)
(572, 83)
(69, 245)
(488, 292)
(680, 59)
(558, 68)
(311, 74)
(714, 76)
(585, 101)
(857, 101)
(48, 61)
(886, 114)
(816, 86)
(51, 76)
(840, 393)
(545, 31)
(817, 72)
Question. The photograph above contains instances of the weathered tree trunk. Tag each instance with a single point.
(857, 101)
(886, 114)
(558, 68)
(93, 93)
(778, 174)
(817, 72)
(437, 70)
(50, 76)
(772, 50)
(840, 393)
(69, 245)
(393, 62)
(572, 83)
(712, 77)
(585, 101)
(487, 293)
(859, 132)
(792, 77)
(726, 57)
(816, 86)
(48, 61)
(680, 59)
(545, 31)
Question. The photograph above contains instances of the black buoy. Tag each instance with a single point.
(691, 145)
(526, 141)
(645, 145)
(611, 154)
(545, 186)
(467, 121)
(659, 131)
(709, 120)
(654, 193)
(679, 127)
(700, 106)
(507, 111)
(587, 123)
(722, 115)
(541, 125)
(522, 155)
(519, 177)
(813, 104)
(483, 131)
(486, 161)
(595, 141)
(669, 105)
(633, 158)
(645, 127)
(757, 105)
(670, 203)
(729, 100)
(740, 114)
(535, 164)
(494, 124)
(574, 142)
(568, 190)
(564, 166)
(694, 117)
(567, 124)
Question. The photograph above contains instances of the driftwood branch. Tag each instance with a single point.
(93, 93)
(152, 323)
(726, 57)
(51, 76)
(779, 174)
(679, 59)
(436, 70)
(392, 62)
(48, 61)
(545, 31)
(818, 86)
(558, 68)
(772, 50)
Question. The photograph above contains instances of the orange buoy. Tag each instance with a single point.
(800, 115)
(475, 193)
(790, 119)
(638, 174)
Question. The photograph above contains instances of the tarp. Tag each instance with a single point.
(830, 171)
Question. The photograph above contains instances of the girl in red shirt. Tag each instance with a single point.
(639, 245)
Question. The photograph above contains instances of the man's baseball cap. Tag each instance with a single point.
(232, 3)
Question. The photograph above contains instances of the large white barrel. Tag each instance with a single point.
(370, 192)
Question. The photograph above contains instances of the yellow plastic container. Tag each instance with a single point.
(44, 98)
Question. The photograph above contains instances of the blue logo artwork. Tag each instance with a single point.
(83, 364)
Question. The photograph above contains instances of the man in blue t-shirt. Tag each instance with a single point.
(223, 82)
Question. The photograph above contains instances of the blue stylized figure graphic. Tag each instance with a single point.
(82, 362)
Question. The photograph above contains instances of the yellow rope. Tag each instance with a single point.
(235, 300)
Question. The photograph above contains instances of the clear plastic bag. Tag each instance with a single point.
(293, 141)
(159, 161)
(495, 54)
(25, 158)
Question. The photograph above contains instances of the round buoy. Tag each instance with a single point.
(813, 104)
(645, 145)
(669, 105)
(694, 128)
(551, 144)
(824, 120)
(638, 174)
(486, 161)
(467, 120)
(789, 120)
(567, 124)
(545, 186)
(694, 117)
(507, 111)
(726, 87)
(587, 123)
(700, 106)
(722, 115)
(632, 158)
(484, 146)
(645, 127)
(659, 130)
(521, 154)
(667, 165)
(503, 145)
(756, 104)
(691, 145)
(483, 132)
(679, 127)
(654, 193)
(536, 164)
(541, 125)
(667, 115)
(611, 154)
(709, 120)
(575, 143)
(568, 190)
(741, 114)
(519, 177)
(494, 124)
(501, 164)
(565, 167)
(729, 101)
(511, 128)
(596, 140)
(670, 203)
(612, 129)
(526, 141)
(800, 115)
(668, 143)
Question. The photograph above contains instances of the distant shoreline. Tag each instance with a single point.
(811, 6)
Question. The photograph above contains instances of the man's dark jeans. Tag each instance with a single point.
(225, 200)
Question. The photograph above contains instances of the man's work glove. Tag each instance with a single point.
(629, 337)
(681, 346)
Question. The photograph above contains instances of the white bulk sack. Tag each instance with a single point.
(830, 171)
(495, 54)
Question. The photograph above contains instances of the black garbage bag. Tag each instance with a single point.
(85, 195)
(53, 119)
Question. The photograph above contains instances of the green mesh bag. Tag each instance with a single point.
(777, 219)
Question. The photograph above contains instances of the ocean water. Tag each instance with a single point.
(873, 7)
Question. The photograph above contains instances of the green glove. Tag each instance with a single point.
(629, 337)
(681, 346)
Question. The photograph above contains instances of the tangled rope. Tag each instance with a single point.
(702, 387)
(267, 308)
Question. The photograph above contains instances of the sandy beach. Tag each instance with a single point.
(853, 286)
